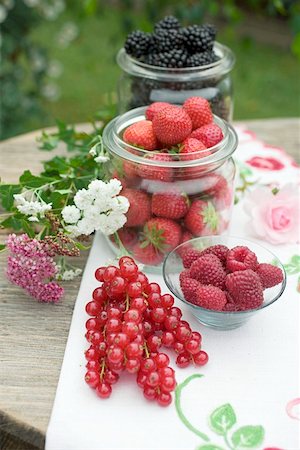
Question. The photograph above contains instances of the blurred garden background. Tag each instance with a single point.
(58, 56)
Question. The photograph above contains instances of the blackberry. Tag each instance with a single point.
(168, 23)
(166, 40)
(211, 30)
(137, 43)
(202, 59)
(175, 58)
(197, 38)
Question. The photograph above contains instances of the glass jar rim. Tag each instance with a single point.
(114, 143)
(137, 68)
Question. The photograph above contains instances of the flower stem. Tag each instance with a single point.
(179, 410)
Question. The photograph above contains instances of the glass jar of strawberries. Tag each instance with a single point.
(177, 172)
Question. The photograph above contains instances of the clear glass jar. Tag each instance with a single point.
(142, 84)
(206, 185)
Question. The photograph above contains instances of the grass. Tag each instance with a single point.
(266, 78)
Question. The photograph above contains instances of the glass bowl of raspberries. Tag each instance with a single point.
(224, 280)
(177, 172)
(174, 62)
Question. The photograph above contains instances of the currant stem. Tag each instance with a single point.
(179, 410)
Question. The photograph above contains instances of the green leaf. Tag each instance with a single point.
(82, 247)
(58, 200)
(28, 228)
(295, 260)
(222, 419)
(2, 247)
(31, 181)
(291, 269)
(12, 223)
(209, 447)
(7, 192)
(248, 437)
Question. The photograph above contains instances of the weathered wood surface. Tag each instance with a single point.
(33, 336)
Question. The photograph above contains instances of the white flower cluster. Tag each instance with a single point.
(67, 275)
(34, 208)
(99, 207)
(98, 152)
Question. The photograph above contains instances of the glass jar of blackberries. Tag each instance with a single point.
(174, 63)
(174, 195)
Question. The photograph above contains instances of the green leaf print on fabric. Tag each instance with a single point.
(222, 419)
(248, 437)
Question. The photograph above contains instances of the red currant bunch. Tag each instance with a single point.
(130, 320)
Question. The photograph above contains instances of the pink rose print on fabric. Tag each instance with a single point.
(274, 217)
(290, 408)
(265, 163)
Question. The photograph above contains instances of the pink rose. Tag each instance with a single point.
(274, 217)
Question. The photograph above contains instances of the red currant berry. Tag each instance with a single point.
(174, 311)
(201, 358)
(141, 379)
(148, 365)
(149, 393)
(100, 295)
(121, 340)
(164, 399)
(118, 285)
(153, 343)
(102, 347)
(92, 324)
(89, 334)
(92, 378)
(179, 347)
(161, 360)
(153, 379)
(113, 325)
(102, 317)
(93, 365)
(92, 354)
(158, 315)
(132, 365)
(139, 339)
(128, 268)
(115, 355)
(192, 346)
(171, 323)
(197, 336)
(134, 350)
(182, 333)
(131, 329)
(154, 300)
(139, 303)
(183, 360)
(167, 300)
(185, 323)
(134, 289)
(153, 288)
(114, 313)
(147, 328)
(111, 377)
(141, 278)
(93, 308)
(166, 372)
(96, 338)
(99, 273)
(126, 260)
(167, 339)
(118, 367)
(110, 273)
(132, 315)
(168, 384)
(104, 390)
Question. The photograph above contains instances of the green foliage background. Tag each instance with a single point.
(58, 57)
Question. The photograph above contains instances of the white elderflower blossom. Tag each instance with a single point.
(71, 214)
(31, 208)
(97, 208)
(101, 159)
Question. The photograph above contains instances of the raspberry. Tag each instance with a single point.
(269, 275)
(241, 258)
(189, 286)
(220, 251)
(198, 109)
(210, 297)
(245, 288)
(208, 270)
(172, 125)
(190, 256)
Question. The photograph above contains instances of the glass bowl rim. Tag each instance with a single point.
(200, 308)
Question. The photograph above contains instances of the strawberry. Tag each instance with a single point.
(208, 269)
(210, 134)
(210, 297)
(155, 108)
(201, 216)
(146, 253)
(193, 149)
(198, 109)
(128, 237)
(140, 207)
(155, 171)
(269, 275)
(172, 125)
(217, 187)
(141, 134)
(169, 205)
(245, 288)
(163, 234)
(130, 171)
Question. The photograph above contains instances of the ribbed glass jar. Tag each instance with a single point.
(142, 84)
(206, 184)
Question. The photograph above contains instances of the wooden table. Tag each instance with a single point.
(33, 336)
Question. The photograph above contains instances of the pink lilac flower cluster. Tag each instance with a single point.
(31, 266)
